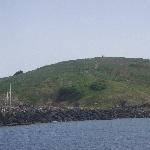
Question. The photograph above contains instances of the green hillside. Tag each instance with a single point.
(97, 82)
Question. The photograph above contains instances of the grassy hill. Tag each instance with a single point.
(96, 82)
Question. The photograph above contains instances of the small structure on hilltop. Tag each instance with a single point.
(18, 73)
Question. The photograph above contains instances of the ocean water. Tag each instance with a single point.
(120, 134)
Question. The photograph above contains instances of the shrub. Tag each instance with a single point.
(68, 94)
(98, 86)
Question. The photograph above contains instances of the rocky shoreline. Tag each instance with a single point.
(28, 115)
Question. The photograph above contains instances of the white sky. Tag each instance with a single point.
(34, 33)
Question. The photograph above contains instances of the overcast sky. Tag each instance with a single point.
(34, 33)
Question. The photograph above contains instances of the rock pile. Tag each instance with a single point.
(28, 115)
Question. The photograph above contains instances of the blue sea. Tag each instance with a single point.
(120, 134)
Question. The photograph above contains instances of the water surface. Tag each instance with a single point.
(120, 134)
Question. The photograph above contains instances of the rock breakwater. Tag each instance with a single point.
(28, 115)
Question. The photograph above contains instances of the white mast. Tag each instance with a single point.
(10, 94)
(7, 98)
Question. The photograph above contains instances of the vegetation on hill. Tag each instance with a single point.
(18, 72)
(98, 82)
